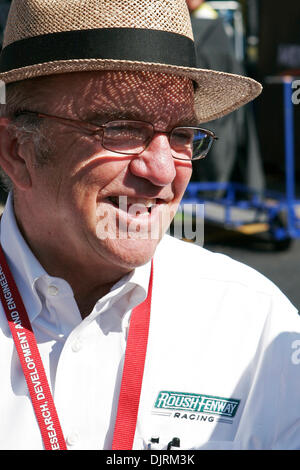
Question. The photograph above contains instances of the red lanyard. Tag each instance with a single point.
(31, 362)
(36, 378)
(133, 371)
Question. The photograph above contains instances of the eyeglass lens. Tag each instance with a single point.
(134, 136)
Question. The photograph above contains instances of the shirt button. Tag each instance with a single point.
(76, 345)
(53, 290)
(72, 438)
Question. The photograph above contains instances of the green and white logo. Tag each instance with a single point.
(197, 403)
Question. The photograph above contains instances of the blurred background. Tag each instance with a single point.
(249, 183)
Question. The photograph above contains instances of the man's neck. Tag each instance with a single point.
(88, 284)
(89, 281)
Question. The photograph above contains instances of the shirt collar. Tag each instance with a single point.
(133, 285)
(24, 266)
(139, 277)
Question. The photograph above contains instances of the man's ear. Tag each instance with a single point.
(14, 156)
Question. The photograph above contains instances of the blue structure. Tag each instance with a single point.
(279, 210)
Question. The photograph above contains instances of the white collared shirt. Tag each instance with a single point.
(223, 359)
(82, 358)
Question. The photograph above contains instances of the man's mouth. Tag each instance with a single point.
(134, 205)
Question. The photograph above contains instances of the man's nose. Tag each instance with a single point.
(155, 163)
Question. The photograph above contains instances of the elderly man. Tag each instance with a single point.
(114, 336)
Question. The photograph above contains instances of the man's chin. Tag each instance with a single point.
(131, 253)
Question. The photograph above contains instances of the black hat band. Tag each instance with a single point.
(128, 44)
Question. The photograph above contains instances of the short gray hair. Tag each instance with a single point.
(19, 96)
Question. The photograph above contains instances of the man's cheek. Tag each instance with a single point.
(183, 176)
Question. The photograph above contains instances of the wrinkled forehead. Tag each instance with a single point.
(156, 97)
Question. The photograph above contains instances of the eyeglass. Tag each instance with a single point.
(132, 137)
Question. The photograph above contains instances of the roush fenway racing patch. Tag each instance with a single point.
(197, 403)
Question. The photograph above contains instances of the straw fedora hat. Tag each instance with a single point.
(46, 37)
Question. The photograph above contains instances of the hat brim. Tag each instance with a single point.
(216, 93)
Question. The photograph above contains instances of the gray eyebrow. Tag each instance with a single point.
(99, 118)
(102, 117)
